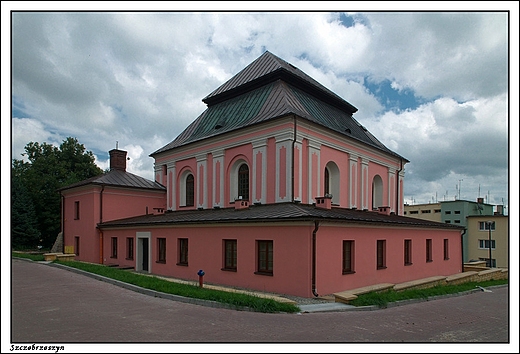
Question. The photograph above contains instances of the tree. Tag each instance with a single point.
(49, 168)
(24, 228)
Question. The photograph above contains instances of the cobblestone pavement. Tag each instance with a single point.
(53, 305)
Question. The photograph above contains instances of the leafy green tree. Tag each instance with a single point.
(49, 168)
(24, 228)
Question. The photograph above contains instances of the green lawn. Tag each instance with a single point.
(382, 299)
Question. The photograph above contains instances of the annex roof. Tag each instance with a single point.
(119, 178)
(272, 213)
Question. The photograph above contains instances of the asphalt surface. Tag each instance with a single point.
(52, 305)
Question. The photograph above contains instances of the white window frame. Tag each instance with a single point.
(482, 244)
(233, 179)
(182, 189)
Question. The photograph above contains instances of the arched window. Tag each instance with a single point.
(243, 182)
(326, 187)
(190, 190)
(186, 187)
(331, 181)
(377, 192)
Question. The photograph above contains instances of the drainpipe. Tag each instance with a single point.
(100, 221)
(397, 189)
(462, 248)
(316, 227)
(292, 160)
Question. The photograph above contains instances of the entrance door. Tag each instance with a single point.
(142, 261)
(145, 255)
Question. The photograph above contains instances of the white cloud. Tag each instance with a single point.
(139, 78)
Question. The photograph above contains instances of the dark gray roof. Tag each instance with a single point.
(269, 67)
(119, 178)
(274, 212)
(270, 101)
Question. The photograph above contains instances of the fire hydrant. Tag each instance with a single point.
(201, 277)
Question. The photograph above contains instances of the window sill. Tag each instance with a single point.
(161, 262)
(408, 264)
(384, 267)
(228, 269)
(264, 273)
(129, 259)
(349, 272)
(182, 264)
(429, 261)
(113, 257)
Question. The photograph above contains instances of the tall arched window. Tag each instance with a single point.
(331, 181)
(190, 190)
(377, 192)
(326, 187)
(243, 182)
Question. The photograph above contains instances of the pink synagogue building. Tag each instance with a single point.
(274, 187)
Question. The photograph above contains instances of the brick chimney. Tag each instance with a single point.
(324, 202)
(241, 204)
(117, 160)
(384, 210)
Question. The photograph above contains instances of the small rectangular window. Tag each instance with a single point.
(437, 210)
(129, 248)
(381, 254)
(183, 252)
(426, 211)
(161, 250)
(230, 255)
(265, 257)
(76, 245)
(447, 212)
(407, 252)
(429, 250)
(414, 212)
(484, 244)
(446, 249)
(76, 210)
(348, 257)
(113, 253)
(484, 225)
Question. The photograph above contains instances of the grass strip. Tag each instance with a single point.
(37, 257)
(381, 299)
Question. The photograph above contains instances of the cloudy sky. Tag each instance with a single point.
(432, 86)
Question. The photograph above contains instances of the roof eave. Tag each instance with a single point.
(290, 78)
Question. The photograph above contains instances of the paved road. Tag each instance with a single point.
(53, 305)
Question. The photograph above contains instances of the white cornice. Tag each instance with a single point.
(238, 138)
(355, 144)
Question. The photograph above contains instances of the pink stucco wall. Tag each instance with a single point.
(85, 226)
(329, 268)
(115, 203)
(274, 178)
(293, 255)
(205, 248)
